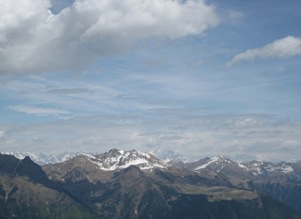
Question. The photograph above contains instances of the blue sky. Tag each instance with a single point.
(197, 77)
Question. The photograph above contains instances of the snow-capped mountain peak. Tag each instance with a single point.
(214, 162)
(119, 159)
(260, 168)
(255, 168)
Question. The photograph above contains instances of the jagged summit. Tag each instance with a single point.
(227, 166)
(14, 167)
(100, 167)
(107, 160)
(120, 159)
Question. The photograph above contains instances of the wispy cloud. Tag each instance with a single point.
(281, 48)
(2, 133)
(56, 97)
(32, 39)
(39, 111)
(121, 93)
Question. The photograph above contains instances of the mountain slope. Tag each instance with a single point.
(122, 191)
(281, 181)
(26, 192)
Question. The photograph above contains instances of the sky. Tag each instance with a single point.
(200, 78)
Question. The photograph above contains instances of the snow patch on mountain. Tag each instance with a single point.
(212, 160)
(256, 168)
(285, 168)
(119, 159)
(243, 166)
(261, 168)
(219, 162)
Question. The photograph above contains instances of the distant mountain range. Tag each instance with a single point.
(251, 169)
(132, 184)
(41, 158)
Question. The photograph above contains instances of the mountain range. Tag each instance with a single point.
(132, 184)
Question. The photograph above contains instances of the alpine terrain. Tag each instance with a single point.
(131, 184)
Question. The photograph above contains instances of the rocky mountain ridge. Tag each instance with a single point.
(255, 168)
(142, 186)
(163, 157)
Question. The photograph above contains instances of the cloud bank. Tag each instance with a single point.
(282, 48)
(264, 137)
(33, 39)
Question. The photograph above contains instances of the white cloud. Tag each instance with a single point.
(282, 48)
(32, 39)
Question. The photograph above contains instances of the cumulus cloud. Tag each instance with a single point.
(281, 48)
(33, 39)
